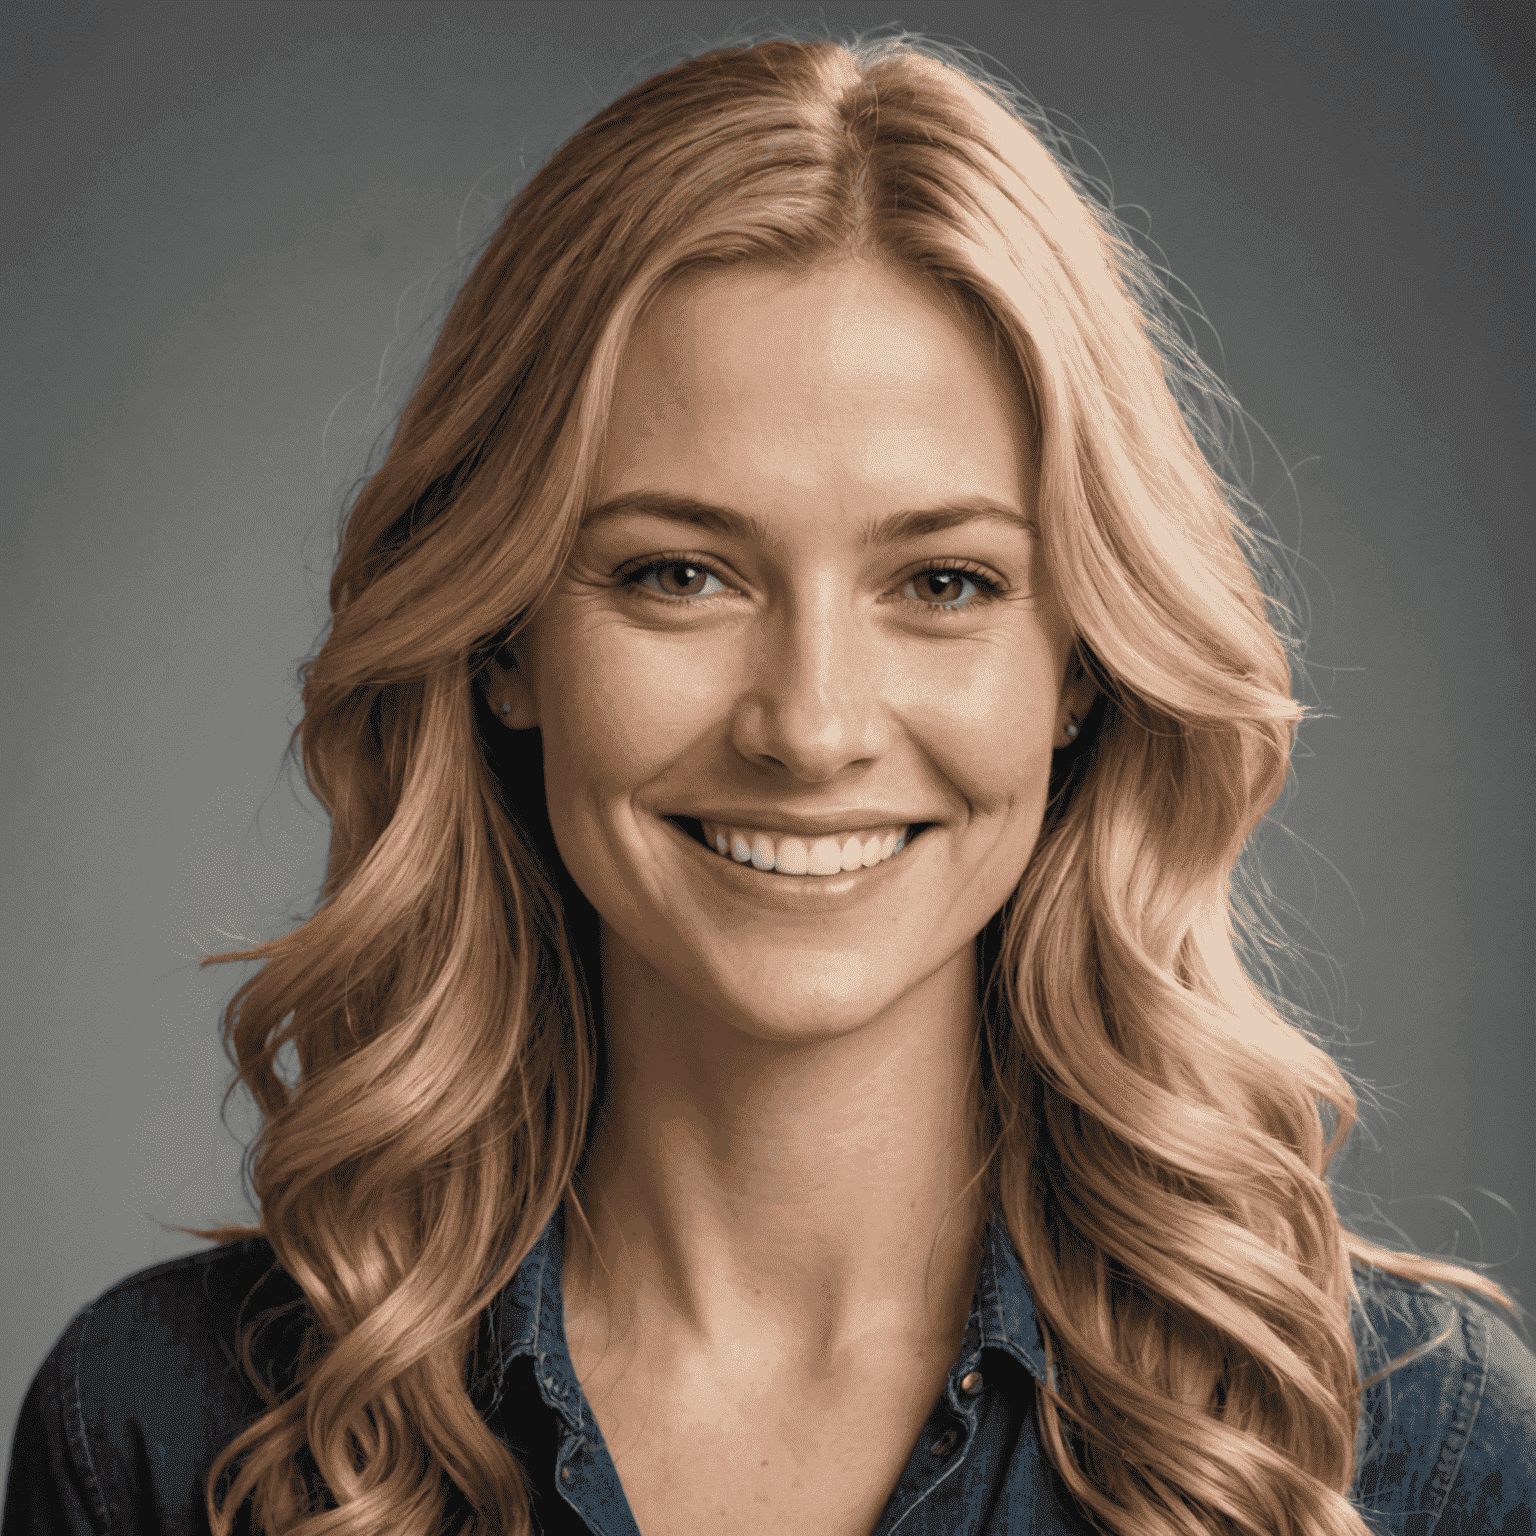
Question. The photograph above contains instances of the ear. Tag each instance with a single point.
(504, 680)
(1077, 695)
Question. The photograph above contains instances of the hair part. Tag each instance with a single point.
(1154, 1118)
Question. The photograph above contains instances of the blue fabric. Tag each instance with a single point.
(144, 1387)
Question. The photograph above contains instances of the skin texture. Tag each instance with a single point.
(776, 1187)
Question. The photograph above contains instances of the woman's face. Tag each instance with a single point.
(806, 613)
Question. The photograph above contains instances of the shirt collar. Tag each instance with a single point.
(1002, 1308)
(528, 1319)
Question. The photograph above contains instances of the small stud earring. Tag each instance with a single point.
(1072, 732)
(504, 708)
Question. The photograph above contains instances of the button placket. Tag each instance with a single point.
(945, 1443)
(964, 1394)
(965, 1387)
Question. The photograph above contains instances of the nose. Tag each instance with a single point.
(813, 699)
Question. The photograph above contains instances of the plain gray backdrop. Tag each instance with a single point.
(224, 226)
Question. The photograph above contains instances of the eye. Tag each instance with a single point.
(939, 589)
(675, 579)
(944, 587)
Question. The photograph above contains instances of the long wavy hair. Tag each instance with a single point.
(1154, 1111)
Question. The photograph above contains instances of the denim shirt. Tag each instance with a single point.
(144, 1388)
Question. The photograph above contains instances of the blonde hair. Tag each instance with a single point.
(1154, 1119)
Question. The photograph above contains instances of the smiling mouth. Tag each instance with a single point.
(801, 857)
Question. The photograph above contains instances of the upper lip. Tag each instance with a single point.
(808, 823)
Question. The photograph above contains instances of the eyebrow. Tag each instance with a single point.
(899, 526)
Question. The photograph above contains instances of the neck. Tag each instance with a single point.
(798, 1195)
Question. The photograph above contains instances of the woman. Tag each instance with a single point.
(777, 1049)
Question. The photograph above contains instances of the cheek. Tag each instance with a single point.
(986, 719)
(619, 705)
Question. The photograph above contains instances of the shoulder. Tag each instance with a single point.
(1446, 1444)
(142, 1390)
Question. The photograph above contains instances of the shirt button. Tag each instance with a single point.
(970, 1383)
(945, 1443)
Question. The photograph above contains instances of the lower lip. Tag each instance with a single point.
(771, 891)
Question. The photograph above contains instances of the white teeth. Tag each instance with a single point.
(825, 858)
(789, 855)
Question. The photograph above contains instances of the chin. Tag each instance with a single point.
(842, 994)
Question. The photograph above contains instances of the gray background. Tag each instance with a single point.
(225, 223)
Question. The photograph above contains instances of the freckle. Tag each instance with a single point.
(762, 1463)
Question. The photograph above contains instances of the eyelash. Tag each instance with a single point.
(989, 589)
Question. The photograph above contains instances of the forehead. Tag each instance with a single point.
(848, 375)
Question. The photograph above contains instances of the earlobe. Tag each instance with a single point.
(1077, 699)
(513, 708)
(507, 692)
